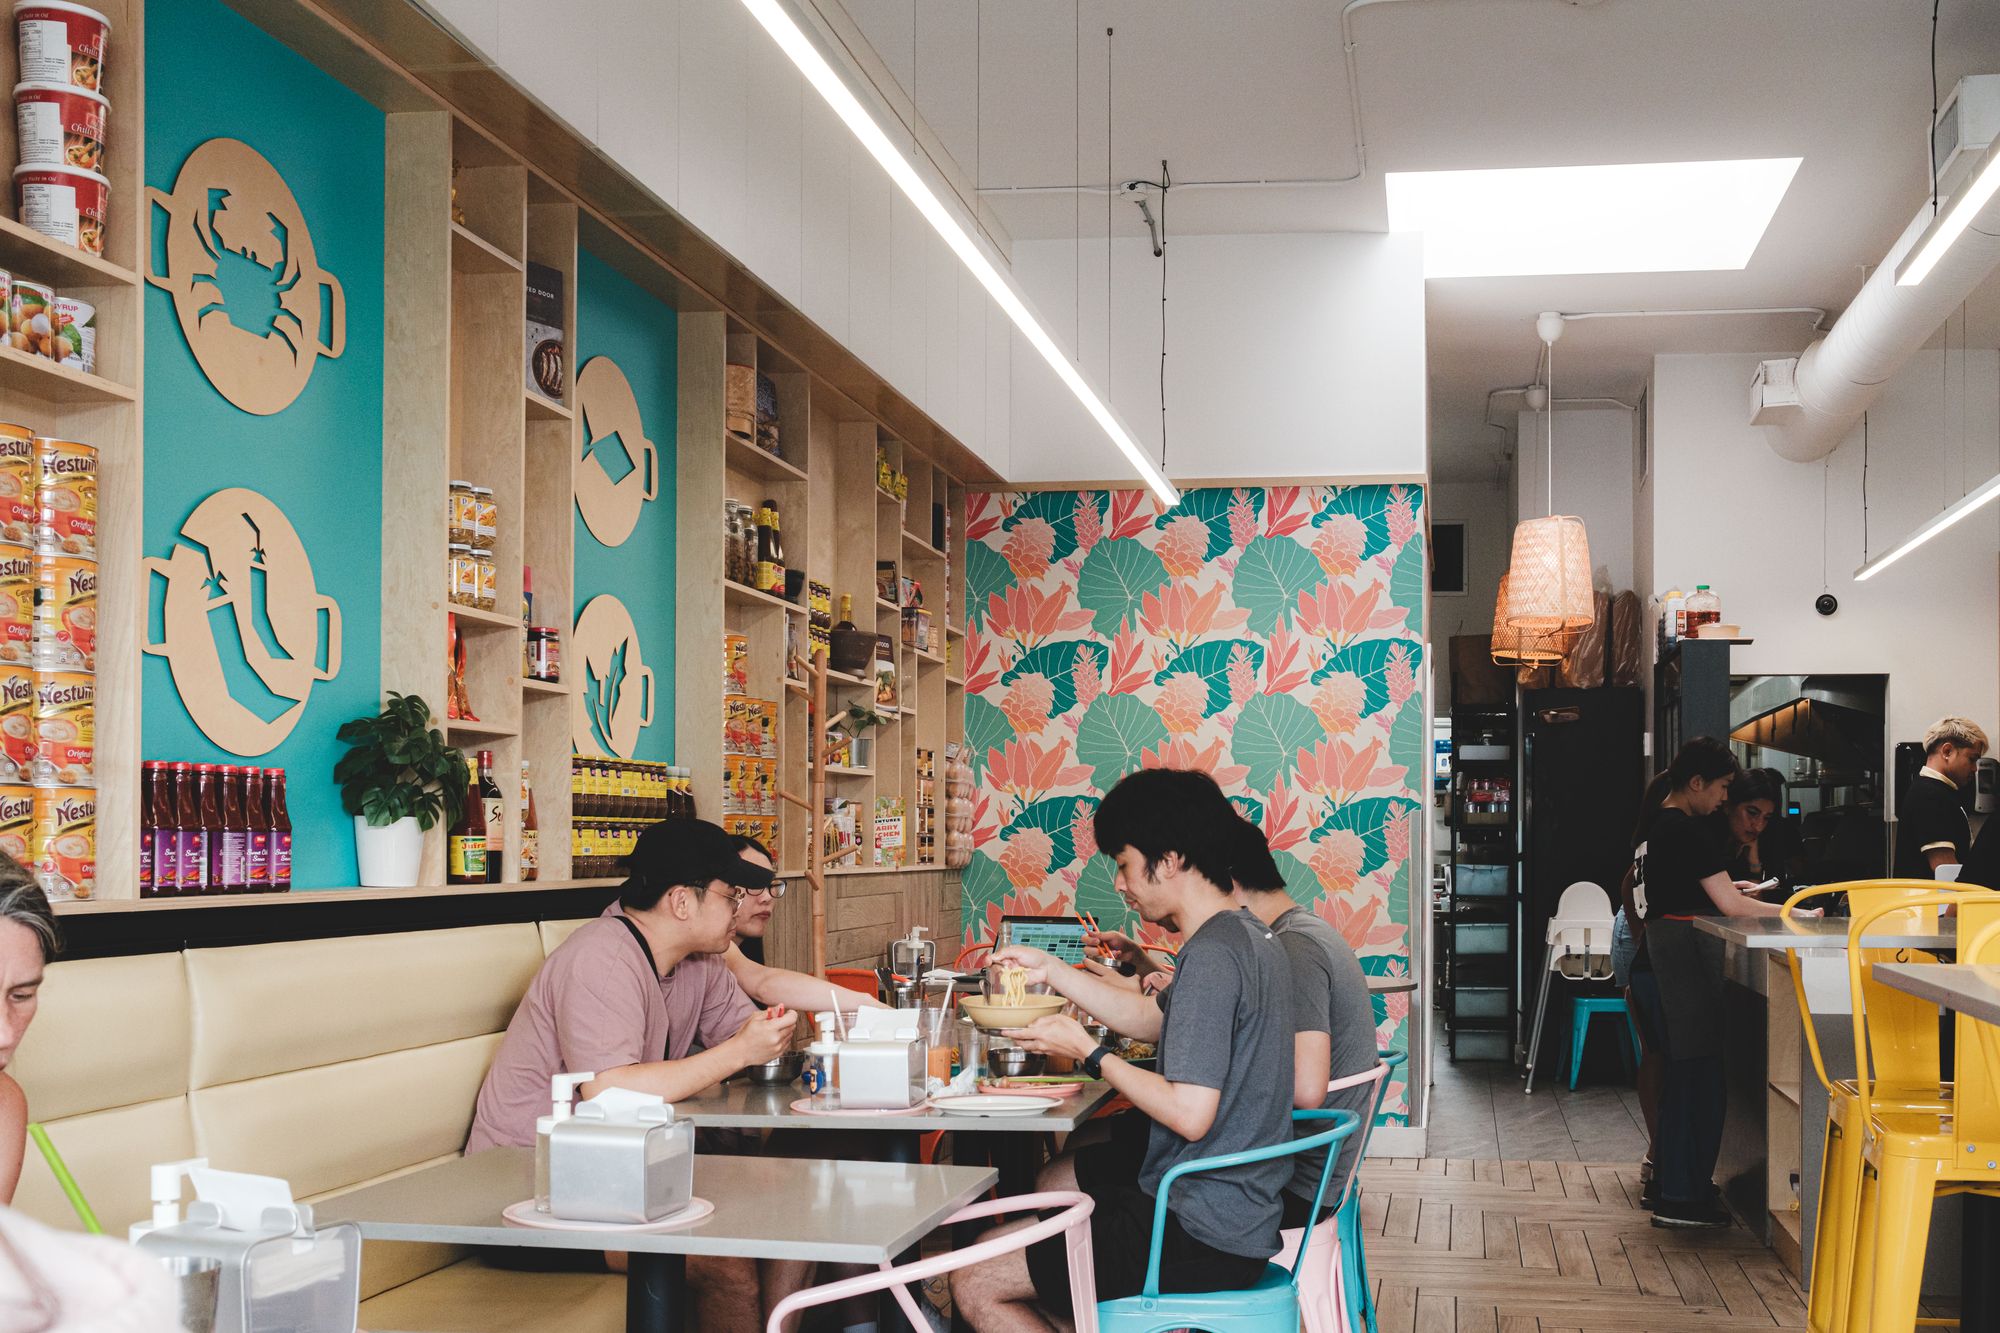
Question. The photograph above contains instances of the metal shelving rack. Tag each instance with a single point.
(1477, 941)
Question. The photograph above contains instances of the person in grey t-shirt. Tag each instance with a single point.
(1331, 1006)
(1224, 1082)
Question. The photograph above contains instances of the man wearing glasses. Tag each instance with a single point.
(776, 985)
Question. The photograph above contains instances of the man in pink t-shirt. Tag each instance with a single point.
(640, 998)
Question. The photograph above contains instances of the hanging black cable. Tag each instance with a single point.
(1930, 130)
(1166, 184)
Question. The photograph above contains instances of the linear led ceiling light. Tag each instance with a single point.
(792, 40)
(1972, 500)
(1648, 217)
(1950, 225)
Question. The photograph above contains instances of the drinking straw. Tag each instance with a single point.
(839, 1020)
(65, 1179)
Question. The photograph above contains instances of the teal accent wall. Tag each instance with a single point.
(320, 460)
(618, 319)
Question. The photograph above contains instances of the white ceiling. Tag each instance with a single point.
(1257, 90)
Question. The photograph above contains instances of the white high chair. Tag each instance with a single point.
(1579, 949)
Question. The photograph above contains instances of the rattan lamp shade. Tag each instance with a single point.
(1548, 579)
(1513, 646)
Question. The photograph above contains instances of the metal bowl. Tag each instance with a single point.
(1016, 1062)
(776, 1073)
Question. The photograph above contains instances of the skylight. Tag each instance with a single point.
(1653, 217)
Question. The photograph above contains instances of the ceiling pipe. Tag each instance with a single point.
(1839, 377)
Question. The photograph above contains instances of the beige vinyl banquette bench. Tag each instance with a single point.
(333, 1063)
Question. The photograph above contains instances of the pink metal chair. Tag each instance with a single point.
(1323, 1298)
(1073, 1222)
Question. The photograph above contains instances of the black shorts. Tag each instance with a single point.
(1298, 1209)
(1121, 1233)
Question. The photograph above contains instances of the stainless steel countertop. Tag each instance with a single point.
(1973, 990)
(1781, 933)
(740, 1104)
(765, 1207)
(1391, 985)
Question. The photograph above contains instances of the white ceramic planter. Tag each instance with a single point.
(390, 857)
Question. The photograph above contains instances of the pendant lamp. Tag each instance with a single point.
(1513, 646)
(1548, 588)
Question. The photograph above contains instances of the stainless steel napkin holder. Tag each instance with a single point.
(629, 1167)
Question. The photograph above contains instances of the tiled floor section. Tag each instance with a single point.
(1478, 1110)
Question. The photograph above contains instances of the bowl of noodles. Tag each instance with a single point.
(1010, 1001)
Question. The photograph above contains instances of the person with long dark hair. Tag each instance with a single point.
(1681, 871)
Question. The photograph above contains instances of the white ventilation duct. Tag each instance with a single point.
(1840, 376)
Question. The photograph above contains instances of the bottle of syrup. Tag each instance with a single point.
(257, 826)
(531, 850)
(159, 855)
(281, 834)
(208, 794)
(465, 847)
(496, 818)
(189, 838)
(232, 855)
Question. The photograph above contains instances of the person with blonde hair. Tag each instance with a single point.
(1931, 828)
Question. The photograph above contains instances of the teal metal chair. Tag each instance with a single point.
(1582, 1009)
(1353, 1256)
(1271, 1306)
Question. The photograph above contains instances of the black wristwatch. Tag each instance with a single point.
(1093, 1064)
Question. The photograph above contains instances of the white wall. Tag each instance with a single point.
(697, 102)
(1728, 511)
(1287, 356)
(1488, 516)
(1593, 481)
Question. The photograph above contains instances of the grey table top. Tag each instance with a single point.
(1781, 933)
(1391, 985)
(740, 1104)
(765, 1207)
(1973, 990)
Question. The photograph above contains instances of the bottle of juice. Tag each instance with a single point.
(281, 834)
(208, 796)
(232, 855)
(257, 837)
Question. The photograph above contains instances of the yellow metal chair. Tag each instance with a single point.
(1906, 1074)
(1910, 1158)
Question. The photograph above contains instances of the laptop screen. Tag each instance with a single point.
(1060, 936)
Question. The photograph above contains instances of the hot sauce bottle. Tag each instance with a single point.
(465, 854)
(257, 827)
(192, 834)
(281, 835)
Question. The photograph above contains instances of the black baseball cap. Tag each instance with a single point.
(691, 851)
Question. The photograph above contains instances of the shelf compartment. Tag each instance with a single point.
(842, 771)
(459, 726)
(887, 607)
(926, 656)
(531, 686)
(748, 460)
(912, 540)
(27, 253)
(475, 621)
(541, 409)
(473, 253)
(744, 595)
(39, 377)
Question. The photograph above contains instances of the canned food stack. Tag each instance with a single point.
(472, 577)
(62, 119)
(48, 658)
(925, 811)
(750, 767)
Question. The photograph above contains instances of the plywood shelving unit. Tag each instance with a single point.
(101, 409)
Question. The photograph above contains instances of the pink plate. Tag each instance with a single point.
(524, 1214)
(804, 1106)
(1055, 1092)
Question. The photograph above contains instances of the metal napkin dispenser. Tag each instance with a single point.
(628, 1167)
(283, 1274)
(883, 1073)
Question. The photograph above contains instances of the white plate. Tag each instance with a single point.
(991, 1104)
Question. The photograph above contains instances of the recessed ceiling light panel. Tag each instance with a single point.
(1654, 217)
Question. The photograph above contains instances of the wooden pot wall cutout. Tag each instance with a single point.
(616, 701)
(243, 559)
(611, 422)
(231, 210)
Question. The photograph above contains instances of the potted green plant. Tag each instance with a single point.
(399, 778)
(845, 734)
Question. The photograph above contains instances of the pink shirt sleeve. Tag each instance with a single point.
(725, 1008)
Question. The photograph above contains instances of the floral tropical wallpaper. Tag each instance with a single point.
(1270, 636)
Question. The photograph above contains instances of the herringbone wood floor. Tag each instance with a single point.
(1537, 1247)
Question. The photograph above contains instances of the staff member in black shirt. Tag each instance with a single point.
(1679, 872)
(1931, 828)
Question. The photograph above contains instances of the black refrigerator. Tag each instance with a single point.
(1583, 771)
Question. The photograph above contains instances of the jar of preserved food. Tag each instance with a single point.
(746, 541)
(461, 514)
(461, 574)
(486, 529)
(487, 573)
(544, 654)
(732, 541)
